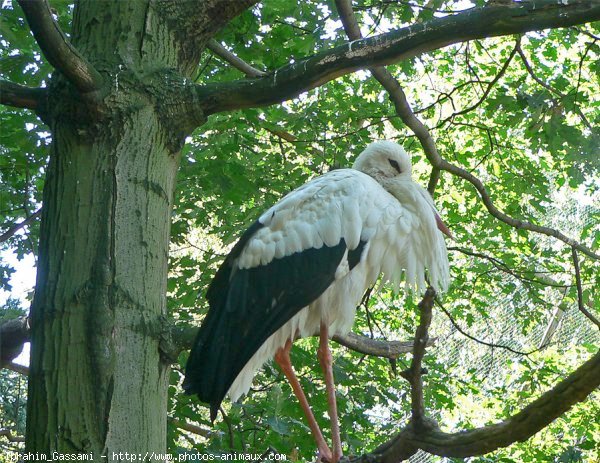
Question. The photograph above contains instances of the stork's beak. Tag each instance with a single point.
(442, 226)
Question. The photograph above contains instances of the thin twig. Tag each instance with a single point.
(479, 341)
(489, 87)
(236, 62)
(193, 428)
(15, 228)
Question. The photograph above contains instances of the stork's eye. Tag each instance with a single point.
(395, 165)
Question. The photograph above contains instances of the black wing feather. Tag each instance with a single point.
(249, 305)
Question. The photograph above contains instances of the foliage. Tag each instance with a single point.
(528, 130)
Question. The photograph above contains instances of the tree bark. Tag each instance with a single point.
(97, 383)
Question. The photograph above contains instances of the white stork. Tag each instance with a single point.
(302, 268)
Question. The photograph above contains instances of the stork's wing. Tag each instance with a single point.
(281, 264)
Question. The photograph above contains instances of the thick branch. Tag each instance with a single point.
(10, 436)
(376, 347)
(20, 96)
(13, 334)
(59, 53)
(415, 373)
(520, 427)
(195, 23)
(289, 81)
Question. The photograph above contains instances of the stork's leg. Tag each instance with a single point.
(327, 365)
(282, 357)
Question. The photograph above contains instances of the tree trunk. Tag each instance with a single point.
(97, 382)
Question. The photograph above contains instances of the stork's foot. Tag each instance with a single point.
(325, 456)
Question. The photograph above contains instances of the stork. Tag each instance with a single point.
(302, 268)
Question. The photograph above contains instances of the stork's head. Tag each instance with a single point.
(384, 160)
(390, 165)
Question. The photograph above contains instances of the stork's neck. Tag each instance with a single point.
(409, 194)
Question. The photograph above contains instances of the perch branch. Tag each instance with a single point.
(181, 337)
(20, 96)
(519, 427)
(59, 53)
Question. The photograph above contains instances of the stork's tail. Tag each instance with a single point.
(207, 366)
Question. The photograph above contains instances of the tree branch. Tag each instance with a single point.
(193, 428)
(181, 337)
(489, 87)
(395, 92)
(10, 436)
(22, 369)
(236, 62)
(13, 334)
(398, 97)
(59, 53)
(291, 80)
(388, 349)
(415, 372)
(195, 23)
(20, 96)
(551, 89)
(15, 228)
(580, 302)
(519, 427)
(493, 210)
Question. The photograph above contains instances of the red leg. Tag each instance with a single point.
(282, 357)
(326, 364)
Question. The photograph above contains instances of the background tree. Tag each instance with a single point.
(504, 130)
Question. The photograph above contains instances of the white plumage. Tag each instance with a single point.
(345, 228)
